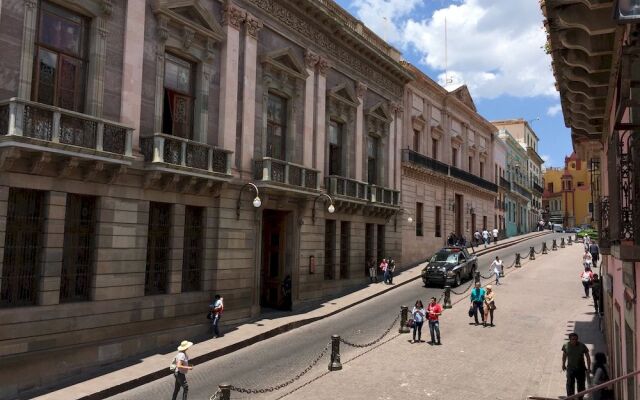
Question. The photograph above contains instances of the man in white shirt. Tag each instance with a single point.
(495, 235)
(217, 307)
(485, 237)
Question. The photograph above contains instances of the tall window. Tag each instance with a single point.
(158, 248)
(495, 172)
(372, 160)
(416, 140)
(60, 67)
(22, 246)
(78, 253)
(329, 248)
(470, 164)
(438, 227)
(335, 148)
(345, 248)
(276, 126)
(419, 212)
(177, 114)
(193, 249)
(434, 149)
(482, 170)
(454, 156)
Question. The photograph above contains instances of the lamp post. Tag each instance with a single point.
(331, 208)
(256, 201)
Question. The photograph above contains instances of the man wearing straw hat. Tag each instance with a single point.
(182, 367)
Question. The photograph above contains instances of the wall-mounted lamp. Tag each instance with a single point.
(401, 211)
(256, 201)
(331, 208)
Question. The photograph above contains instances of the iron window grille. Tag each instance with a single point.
(158, 249)
(193, 249)
(345, 248)
(329, 249)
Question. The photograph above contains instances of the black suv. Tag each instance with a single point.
(450, 266)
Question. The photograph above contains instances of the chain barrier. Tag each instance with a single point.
(491, 276)
(512, 264)
(464, 291)
(374, 341)
(217, 395)
(287, 383)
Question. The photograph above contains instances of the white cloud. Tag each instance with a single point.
(554, 110)
(494, 46)
(547, 159)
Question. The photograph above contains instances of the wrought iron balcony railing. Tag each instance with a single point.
(379, 194)
(505, 184)
(537, 188)
(175, 151)
(53, 126)
(603, 235)
(341, 186)
(473, 179)
(270, 169)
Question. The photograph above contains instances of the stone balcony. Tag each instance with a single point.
(41, 139)
(286, 176)
(187, 164)
(350, 194)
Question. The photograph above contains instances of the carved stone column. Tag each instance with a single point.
(252, 26)
(320, 144)
(361, 90)
(311, 60)
(29, 27)
(232, 18)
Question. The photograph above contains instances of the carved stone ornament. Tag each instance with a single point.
(31, 3)
(106, 6)
(211, 48)
(361, 89)
(253, 25)
(323, 66)
(163, 28)
(232, 15)
(394, 107)
(311, 59)
(188, 35)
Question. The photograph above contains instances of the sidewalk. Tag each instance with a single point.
(537, 306)
(156, 366)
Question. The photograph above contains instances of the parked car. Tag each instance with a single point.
(572, 230)
(450, 266)
(558, 228)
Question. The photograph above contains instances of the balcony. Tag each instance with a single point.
(351, 189)
(473, 179)
(175, 157)
(37, 138)
(537, 188)
(505, 184)
(382, 195)
(284, 175)
(521, 191)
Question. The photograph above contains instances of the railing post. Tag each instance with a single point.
(100, 136)
(303, 177)
(16, 119)
(266, 170)
(229, 161)
(447, 297)
(210, 159)
(128, 144)
(183, 153)
(286, 173)
(158, 149)
(225, 391)
(334, 364)
(404, 312)
(532, 253)
(55, 127)
(517, 264)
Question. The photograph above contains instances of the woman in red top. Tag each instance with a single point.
(434, 310)
(586, 277)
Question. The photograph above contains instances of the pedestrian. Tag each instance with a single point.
(489, 305)
(476, 237)
(286, 292)
(595, 253)
(596, 288)
(383, 267)
(586, 277)
(574, 354)
(434, 310)
(587, 259)
(495, 233)
(181, 362)
(418, 313)
(373, 273)
(600, 376)
(496, 268)
(587, 242)
(451, 240)
(485, 237)
(217, 308)
(477, 302)
(390, 270)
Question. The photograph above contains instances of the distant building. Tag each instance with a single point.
(517, 199)
(567, 193)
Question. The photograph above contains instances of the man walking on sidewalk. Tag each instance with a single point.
(434, 310)
(485, 237)
(495, 233)
(574, 354)
(217, 307)
(477, 302)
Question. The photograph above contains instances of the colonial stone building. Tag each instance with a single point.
(447, 167)
(134, 136)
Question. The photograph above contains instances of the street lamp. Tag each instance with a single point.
(331, 208)
(395, 220)
(256, 201)
(627, 11)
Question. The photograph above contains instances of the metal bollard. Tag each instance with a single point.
(447, 297)
(502, 271)
(404, 313)
(570, 241)
(334, 364)
(476, 278)
(554, 246)
(562, 243)
(225, 391)
(532, 253)
(518, 265)
(544, 248)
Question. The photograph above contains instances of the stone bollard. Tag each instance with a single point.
(570, 241)
(225, 392)
(544, 248)
(404, 314)
(562, 243)
(334, 364)
(518, 265)
(476, 277)
(554, 246)
(447, 297)
(532, 253)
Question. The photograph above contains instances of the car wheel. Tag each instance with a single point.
(458, 280)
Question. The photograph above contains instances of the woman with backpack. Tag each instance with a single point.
(418, 313)
(586, 277)
(600, 376)
(180, 367)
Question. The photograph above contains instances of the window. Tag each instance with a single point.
(78, 252)
(484, 222)
(437, 220)
(192, 249)
(416, 140)
(580, 184)
(276, 126)
(177, 115)
(470, 164)
(372, 160)
(454, 156)
(22, 246)
(158, 248)
(550, 187)
(481, 170)
(434, 149)
(335, 148)
(419, 212)
(329, 248)
(345, 248)
(60, 65)
(381, 253)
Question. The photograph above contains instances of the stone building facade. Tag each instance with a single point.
(133, 137)
(447, 167)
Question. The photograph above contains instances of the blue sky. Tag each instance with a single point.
(493, 46)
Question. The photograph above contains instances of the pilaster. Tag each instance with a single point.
(4, 202)
(361, 90)
(29, 27)
(311, 60)
(397, 148)
(252, 26)
(320, 142)
(98, 59)
(52, 248)
(391, 149)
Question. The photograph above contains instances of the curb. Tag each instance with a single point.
(125, 386)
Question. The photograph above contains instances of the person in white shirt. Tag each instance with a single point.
(485, 237)
(496, 268)
(182, 367)
(477, 237)
(495, 235)
(217, 307)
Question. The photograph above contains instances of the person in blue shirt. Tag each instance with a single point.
(477, 302)
(418, 313)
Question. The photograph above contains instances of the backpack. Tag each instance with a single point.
(586, 277)
(173, 367)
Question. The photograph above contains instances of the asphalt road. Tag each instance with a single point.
(279, 359)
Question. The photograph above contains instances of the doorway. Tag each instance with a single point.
(273, 271)
(458, 214)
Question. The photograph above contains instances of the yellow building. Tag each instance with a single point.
(567, 196)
